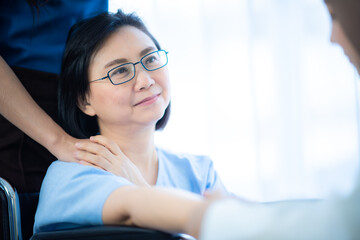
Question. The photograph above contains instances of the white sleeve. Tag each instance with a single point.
(232, 219)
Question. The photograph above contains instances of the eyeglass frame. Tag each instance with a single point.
(134, 64)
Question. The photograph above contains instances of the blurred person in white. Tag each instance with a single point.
(335, 218)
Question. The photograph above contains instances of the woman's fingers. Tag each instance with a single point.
(106, 142)
(111, 146)
(94, 148)
(92, 159)
(89, 164)
(94, 153)
(104, 153)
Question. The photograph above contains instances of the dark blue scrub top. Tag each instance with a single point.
(37, 41)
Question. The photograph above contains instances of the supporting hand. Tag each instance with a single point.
(104, 153)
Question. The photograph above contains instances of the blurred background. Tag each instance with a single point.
(257, 86)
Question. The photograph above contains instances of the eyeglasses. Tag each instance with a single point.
(126, 72)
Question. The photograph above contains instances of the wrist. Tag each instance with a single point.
(61, 145)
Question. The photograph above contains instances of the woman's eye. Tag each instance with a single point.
(151, 59)
(121, 70)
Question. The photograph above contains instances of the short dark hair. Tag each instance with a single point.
(84, 40)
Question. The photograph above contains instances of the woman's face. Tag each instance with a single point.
(139, 102)
(338, 36)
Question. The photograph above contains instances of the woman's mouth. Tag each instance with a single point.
(149, 100)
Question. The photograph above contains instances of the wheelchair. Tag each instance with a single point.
(11, 225)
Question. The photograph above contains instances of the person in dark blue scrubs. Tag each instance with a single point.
(32, 40)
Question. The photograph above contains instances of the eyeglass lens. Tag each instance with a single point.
(150, 62)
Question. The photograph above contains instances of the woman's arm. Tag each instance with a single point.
(170, 210)
(19, 108)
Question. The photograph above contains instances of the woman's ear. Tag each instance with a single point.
(85, 106)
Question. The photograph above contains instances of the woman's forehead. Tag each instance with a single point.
(126, 43)
(127, 38)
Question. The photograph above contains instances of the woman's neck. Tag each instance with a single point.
(138, 145)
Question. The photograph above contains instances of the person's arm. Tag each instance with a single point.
(19, 108)
(170, 210)
(232, 218)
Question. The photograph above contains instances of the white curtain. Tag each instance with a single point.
(257, 86)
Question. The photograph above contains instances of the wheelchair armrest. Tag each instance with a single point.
(11, 221)
(107, 232)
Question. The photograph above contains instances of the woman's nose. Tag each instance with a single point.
(143, 79)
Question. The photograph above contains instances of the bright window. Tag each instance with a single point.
(257, 85)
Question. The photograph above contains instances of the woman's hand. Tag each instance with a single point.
(104, 153)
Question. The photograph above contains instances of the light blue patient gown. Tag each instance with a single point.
(73, 195)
